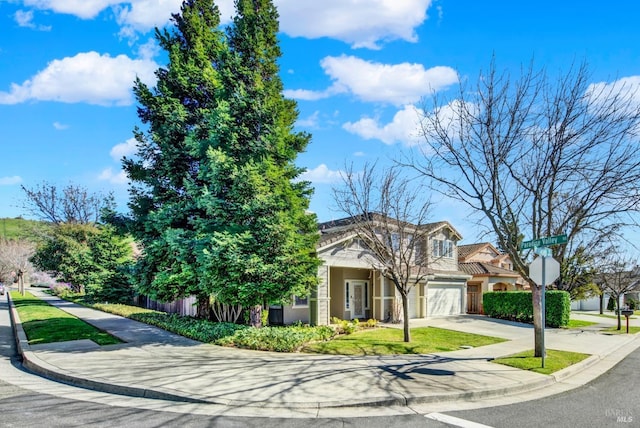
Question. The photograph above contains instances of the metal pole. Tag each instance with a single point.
(542, 306)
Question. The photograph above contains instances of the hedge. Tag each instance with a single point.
(518, 306)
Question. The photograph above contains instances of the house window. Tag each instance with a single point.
(395, 241)
(300, 301)
(442, 248)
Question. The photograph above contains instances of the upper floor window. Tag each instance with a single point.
(442, 248)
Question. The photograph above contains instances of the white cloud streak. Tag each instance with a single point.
(397, 84)
(10, 181)
(112, 177)
(362, 24)
(404, 128)
(60, 126)
(121, 150)
(85, 78)
(321, 174)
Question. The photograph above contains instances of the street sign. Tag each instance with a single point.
(551, 270)
(544, 242)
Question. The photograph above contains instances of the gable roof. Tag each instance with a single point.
(486, 269)
(468, 250)
(336, 230)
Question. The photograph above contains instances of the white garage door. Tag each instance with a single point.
(444, 300)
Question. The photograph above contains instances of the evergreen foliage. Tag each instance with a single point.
(215, 200)
(518, 306)
(91, 258)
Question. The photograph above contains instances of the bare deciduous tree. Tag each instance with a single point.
(389, 214)
(537, 157)
(618, 276)
(73, 204)
(15, 261)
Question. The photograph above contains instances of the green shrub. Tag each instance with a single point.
(277, 339)
(633, 304)
(201, 330)
(611, 304)
(518, 306)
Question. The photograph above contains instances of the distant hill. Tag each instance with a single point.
(19, 228)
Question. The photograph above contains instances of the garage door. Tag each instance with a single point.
(444, 300)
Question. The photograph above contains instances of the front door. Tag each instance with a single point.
(358, 297)
(473, 299)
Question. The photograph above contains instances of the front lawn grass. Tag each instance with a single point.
(389, 341)
(43, 323)
(554, 361)
(623, 329)
(579, 323)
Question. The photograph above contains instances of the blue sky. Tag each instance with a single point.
(358, 70)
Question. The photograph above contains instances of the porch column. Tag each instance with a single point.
(321, 316)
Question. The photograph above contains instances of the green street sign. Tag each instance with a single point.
(544, 242)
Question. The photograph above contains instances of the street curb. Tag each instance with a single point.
(36, 365)
(574, 369)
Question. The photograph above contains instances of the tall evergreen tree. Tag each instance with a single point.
(218, 206)
(176, 112)
(263, 246)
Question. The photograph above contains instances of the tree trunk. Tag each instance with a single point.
(618, 311)
(203, 310)
(405, 313)
(538, 328)
(601, 303)
(255, 316)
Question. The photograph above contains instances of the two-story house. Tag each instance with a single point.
(351, 286)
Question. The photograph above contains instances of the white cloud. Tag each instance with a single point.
(309, 95)
(85, 78)
(149, 50)
(124, 149)
(398, 84)
(360, 23)
(404, 127)
(115, 178)
(627, 89)
(60, 126)
(359, 154)
(357, 22)
(24, 18)
(321, 174)
(312, 121)
(85, 9)
(10, 181)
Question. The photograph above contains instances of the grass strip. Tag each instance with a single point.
(554, 361)
(579, 324)
(623, 329)
(43, 323)
(389, 341)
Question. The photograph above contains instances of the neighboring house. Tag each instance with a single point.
(490, 271)
(351, 288)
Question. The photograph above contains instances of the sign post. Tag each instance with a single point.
(544, 270)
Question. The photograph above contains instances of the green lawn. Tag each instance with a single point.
(623, 329)
(388, 341)
(579, 323)
(43, 323)
(614, 316)
(18, 228)
(554, 361)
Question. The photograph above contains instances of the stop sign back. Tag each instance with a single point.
(551, 270)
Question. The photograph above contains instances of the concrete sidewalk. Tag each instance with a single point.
(156, 364)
